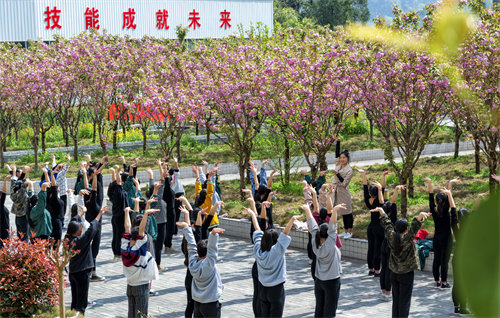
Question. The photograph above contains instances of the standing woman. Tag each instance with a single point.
(403, 260)
(269, 249)
(328, 267)
(38, 217)
(341, 193)
(442, 233)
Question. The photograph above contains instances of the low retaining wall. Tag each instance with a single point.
(352, 248)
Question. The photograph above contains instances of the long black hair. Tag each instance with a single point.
(323, 213)
(442, 204)
(200, 198)
(387, 207)
(269, 238)
(372, 191)
(400, 227)
(32, 201)
(322, 233)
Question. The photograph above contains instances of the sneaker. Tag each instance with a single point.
(117, 259)
(162, 269)
(388, 297)
(436, 284)
(457, 309)
(171, 250)
(348, 235)
(376, 275)
(445, 285)
(153, 293)
(343, 235)
(310, 261)
(97, 278)
(371, 273)
(464, 311)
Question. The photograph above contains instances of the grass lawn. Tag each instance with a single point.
(439, 169)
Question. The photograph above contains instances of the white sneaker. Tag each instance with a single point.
(310, 261)
(388, 297)
(342, 235)
(348, 235)
(162, 269)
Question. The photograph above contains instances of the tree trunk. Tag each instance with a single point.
(207, 132)
(371, 130)
(35, 149)
(75, 147)
(144, 140)
(477, 156)
(196, 129)
(43, 140)
(337, 149)
(314, 170)
(124, 130)
(2, 159)
(287, 164)
(241, 168)
(62, 308)
(458, 133)
(115, 130)
(66, 137)
(16, 134)
(404, 199)
(245, 164)
(94, 132)
(411, 187)
(323, 165)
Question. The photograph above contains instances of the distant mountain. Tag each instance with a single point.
(384, 7)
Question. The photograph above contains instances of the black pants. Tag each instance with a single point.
(375, 234)
(22, 227)
(256, 286)
(171, 227)
(79, 290)
(208, 310)
(138, 301)
(117, 223)
(4, 223)
(272, 300)
(162, 232)
(177, 205)
(441, 245)
(64, 198)
(96, 242)
(402, 287)
(459, 299)
(57, 228)
(190, 302)
(311, 256)
(348, 220)
(385, 272)
(327, 296)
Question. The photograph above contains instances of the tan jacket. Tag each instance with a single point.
(341, 193)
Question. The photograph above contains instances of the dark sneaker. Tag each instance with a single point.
(376, 275)
(97, 278)
(446, 285)
(436, 284)
(370, 273)
(153, 293)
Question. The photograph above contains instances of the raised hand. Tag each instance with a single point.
(182, 224)
(323, 173)
(151, 211)
(266, 204)
(217, 230)
(83, 208)
(378, 185)
(445, 191)
(341, 206)
(304, 207)
(248, 211)
(377, 209)
(386, 172)
(401, 187)
(426, 179)
(423, 215)
(482, 195)
(103, 209)
(84, 192)
(495, 177)
(361, 171)
(303, 172)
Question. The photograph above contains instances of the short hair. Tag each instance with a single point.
(201, 247)
(269, 238)
(73, 227)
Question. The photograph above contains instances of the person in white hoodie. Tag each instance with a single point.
(207, 285)
(139, 265)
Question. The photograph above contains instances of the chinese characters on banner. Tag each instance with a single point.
(52, 17)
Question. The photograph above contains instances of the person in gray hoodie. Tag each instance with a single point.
(328, 268)
(207, 285)
(269, 249)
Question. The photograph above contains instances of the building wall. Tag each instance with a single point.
(22, 20)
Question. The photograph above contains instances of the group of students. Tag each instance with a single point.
(144, 223)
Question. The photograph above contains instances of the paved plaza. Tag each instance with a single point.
(359, 294)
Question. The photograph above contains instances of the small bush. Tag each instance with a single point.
(28, 283)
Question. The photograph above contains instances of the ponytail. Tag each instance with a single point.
(322, 233)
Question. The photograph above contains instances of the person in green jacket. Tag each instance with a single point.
(403, 259)
(39, 218)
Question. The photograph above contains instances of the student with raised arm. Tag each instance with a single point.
(118, 197)
(139, 265)
(269, 249)
(204, 195)
(341, 193)
(403, 260)
(56, 208)
(390, 208)
(4, 213)
(60, 171)
(169, 198)
(207, 286)
(178, 189)
(328, 267)
(19, 197)
(38, 217)
(81, 264)
(215, 197)
(161, 216)
(440, 209)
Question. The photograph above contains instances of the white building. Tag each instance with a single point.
(23, 20)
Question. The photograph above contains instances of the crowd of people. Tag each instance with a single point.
(143, 222)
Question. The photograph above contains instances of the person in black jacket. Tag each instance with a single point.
(4, 213)
(55, 205)
(82, 263)
(440, 209)
(119, 198)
